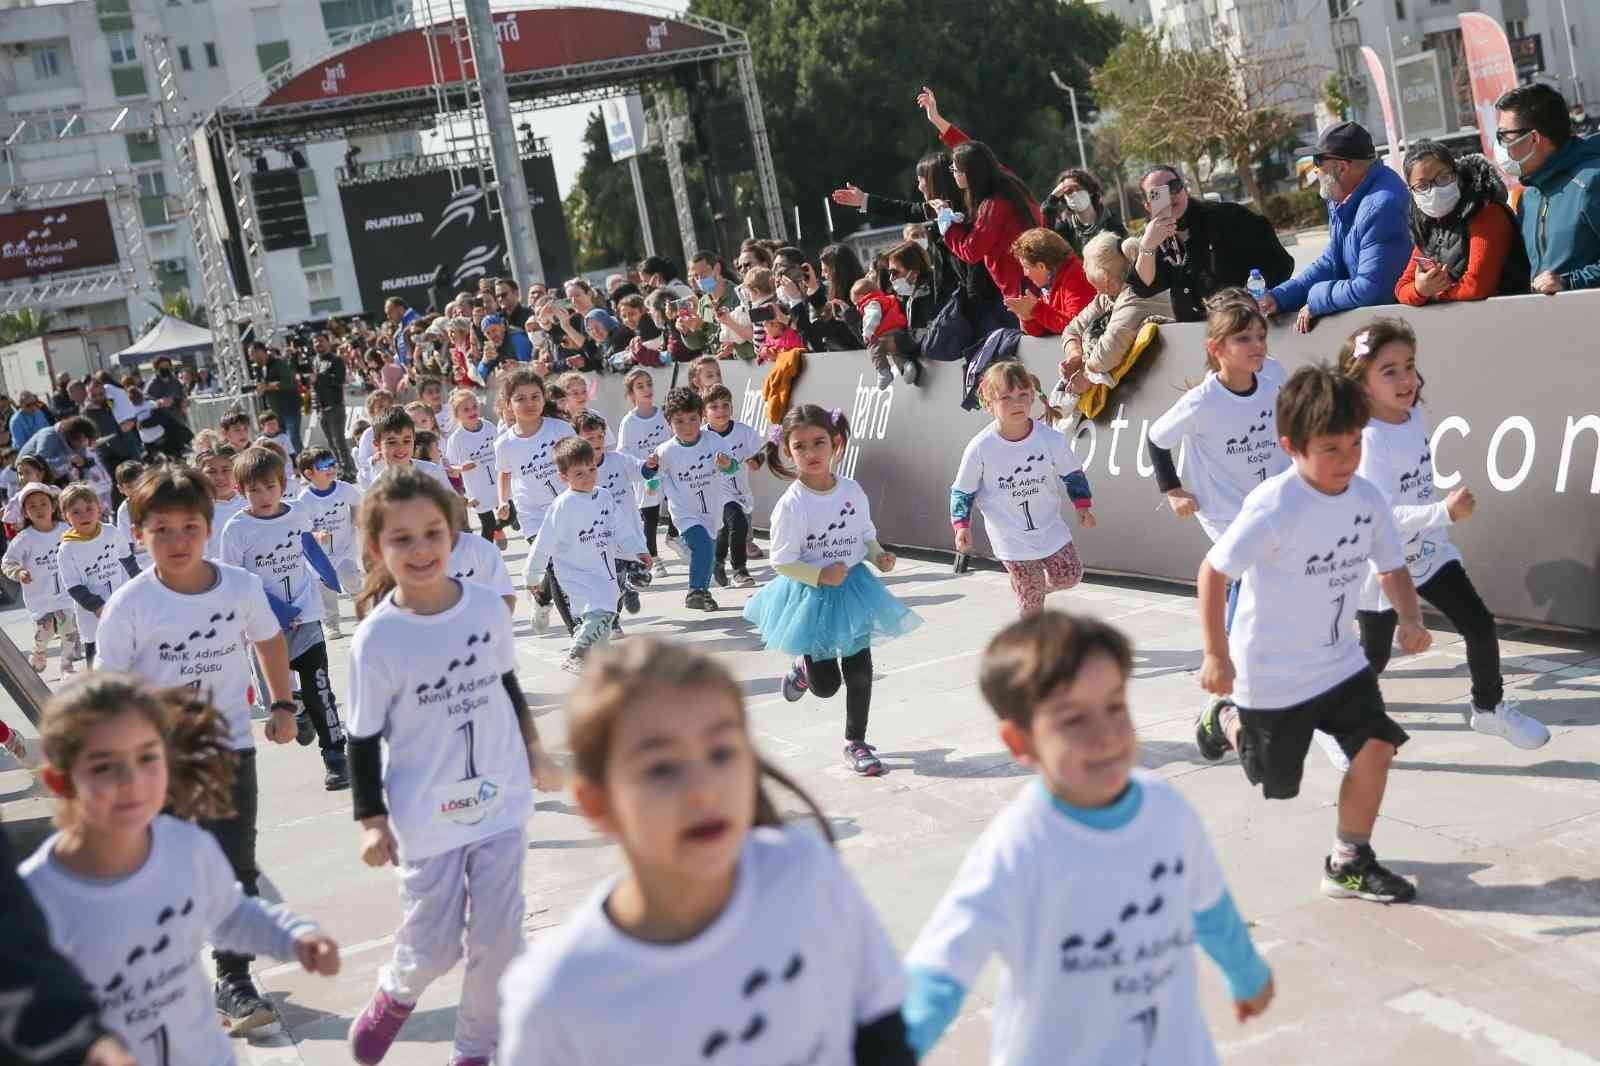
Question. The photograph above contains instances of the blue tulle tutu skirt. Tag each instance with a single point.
(829, 622)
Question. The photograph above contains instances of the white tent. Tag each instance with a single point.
(171, 337)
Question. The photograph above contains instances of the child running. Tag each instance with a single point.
(581, 532)
(1011, 470)
(786, 958)
(396, 435)
(445, 757)
(525, 463)
(226, 499)
(1299, 666)
(331, 505)
(1110, 858)
(94, 560)
(1397, 457)
(575, 400)
(469, 453)
(619, 475)
(274, 540)
(31, 560)
(694, 469)
(747, 447)
(644, 429)
(379, 403)
(825, 608)
(131, 888)
(190, 622)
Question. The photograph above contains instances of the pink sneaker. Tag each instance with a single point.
(376, 1027)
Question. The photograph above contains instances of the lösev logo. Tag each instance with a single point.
(1504, 450)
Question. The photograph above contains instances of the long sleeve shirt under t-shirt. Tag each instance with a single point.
(138, 939)
(1398, 460)
(582, 533)
(97, 565)
(531, 462)
(1302, 556)
(1230, 440)
(696, 489)
(639, 437)
(813, 530)
(475, 446)
(1095, 914)
(199, 640)
(455, 767)
(796, 962)
(1017, 484)
(36, 553)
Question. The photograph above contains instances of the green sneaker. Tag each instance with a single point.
(1364, 878)
(1208, 734)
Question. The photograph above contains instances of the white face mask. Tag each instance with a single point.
(1438, 201)
(1502, 158)
(1078, 201)
(903, 287)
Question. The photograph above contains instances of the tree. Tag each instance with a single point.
(179, 305)
(25, 324)
(1154, 90)
(601, 215)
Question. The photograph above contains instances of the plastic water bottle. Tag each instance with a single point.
(1257, 285)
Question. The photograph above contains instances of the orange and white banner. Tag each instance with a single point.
(1381, 82)
(1490, 68)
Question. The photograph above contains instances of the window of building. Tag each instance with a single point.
(143, 148)
(330, 306)
(152, 183)
(343, 15)
(271, 54)
(320, 284)
(122, 45)
(1516, 28)
(46, 63)
(129, 81)
(1400, 10)
(211, 53)
(183, 57)
(162, 244)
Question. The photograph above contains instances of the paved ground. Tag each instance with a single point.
(1499, 961)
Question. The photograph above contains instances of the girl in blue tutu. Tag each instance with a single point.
(825, 607)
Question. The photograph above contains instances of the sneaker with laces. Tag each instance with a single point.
(304, 731)
(797, 682)
(630, 601)
(1509, 723)
(1208, 734)
(743, 580)
(335, 770)
(240, 1005)
(861, 758)
(885, 378)
(1364, 878)
(541, 618)
(19, 750)
(700, 600)
(376, 1027)
(572, 664)
(661, 568)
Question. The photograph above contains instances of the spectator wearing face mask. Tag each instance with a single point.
(911, 279)
(1073, 209)
(1369, 242)
(1465, 236)
(1560, 173)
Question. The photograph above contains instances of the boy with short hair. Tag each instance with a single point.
(235, 426)
(395, 436)
(1090, 885)
(745, 445)
(187, 621)
(226, 499)
(94, 560)
(379, 403)
(332, 506)
(273, 540)
(430, 391)
(272, 429)
(581, 532)
(1301, 547)
(693, 468)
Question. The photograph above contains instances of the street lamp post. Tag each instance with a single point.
(1572, 53)
(1077, 127)
(1394, 76)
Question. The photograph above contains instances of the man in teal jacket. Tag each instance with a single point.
(1560, 208)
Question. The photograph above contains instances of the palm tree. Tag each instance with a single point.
(180, 306)
(21, 325)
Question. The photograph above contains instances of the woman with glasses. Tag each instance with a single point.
(1465, 236)
(1193, 248)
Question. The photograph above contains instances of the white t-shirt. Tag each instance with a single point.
(620, 475)
(741, 442)
(36, 553)
(1398, 460)
(272, 549)
(1301, 556)
(375, 469)
(173, 638)
(1095, 929)
(695, 488)
(366, 448)
(475, 446)
(97, 566)
(640, 437)
(475, 559)
(1232, 443)
(137, 939)
(290, 449)
(455, 767)
(221, 512)
(142, 557)
(794, 963)
(822, 528)
(1019, 490)
(445, 419)
(582, 533)
(531, 462)
(334, 514)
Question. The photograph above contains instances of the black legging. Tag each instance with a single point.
(1451, 591)
(651, 516)
(489, 525)
(311, 667)
(735, 532)
(855, 673)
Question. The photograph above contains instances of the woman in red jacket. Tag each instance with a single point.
(997, 208)
(1467, 244)
(1050, 267)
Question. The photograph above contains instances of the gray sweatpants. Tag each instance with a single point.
(465, 901)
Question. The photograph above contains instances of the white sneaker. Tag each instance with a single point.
(661, 568)
(541, 618)
(1508, 723)
(572, 664)
(1335, 754)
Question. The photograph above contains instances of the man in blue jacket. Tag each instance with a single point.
(1560, 208)
(1368, 242)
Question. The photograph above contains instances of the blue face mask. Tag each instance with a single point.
(708, 284)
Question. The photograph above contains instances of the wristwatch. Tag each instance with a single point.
(286, 705)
